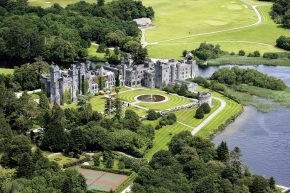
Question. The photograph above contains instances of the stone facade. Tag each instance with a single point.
(61, 85)
(204, 97)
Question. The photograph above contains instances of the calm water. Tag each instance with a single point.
(264, 139)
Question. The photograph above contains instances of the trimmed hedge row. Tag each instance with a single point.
(126, 183)
(75, 163)
(128, 173)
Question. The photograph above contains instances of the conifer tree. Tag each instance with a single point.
(55, 139)
(223, 152)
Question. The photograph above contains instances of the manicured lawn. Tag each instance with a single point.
(173, 100)
(187, 115)
(165, 134)
(6, 71)
(232, 109)
(261, 37)
(183, 17)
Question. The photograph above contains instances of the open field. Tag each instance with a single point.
(260, 37)
(103, 181)
(6, 71)
(173, 100)
(181, 18)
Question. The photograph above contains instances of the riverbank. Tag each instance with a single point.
(283, 60)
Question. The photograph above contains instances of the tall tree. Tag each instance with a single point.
(223, 152)
(55, 138)
(118, 109)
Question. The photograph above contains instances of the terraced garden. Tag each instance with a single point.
(165, 134)
(173, 100)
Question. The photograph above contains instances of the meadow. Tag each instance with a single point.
(6, 71)
(260, 37)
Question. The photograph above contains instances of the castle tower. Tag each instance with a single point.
(172, 71)
(54, 84)
(73, 72)
(178, 71)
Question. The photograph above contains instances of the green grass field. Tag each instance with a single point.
(261, 37)
(6, 71)
(165, 134)
(173, 100)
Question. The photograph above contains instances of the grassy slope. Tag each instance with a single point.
(266, 33)
(185, 17)
(165, 134)
(6, 71)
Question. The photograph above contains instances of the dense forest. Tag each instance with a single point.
(193, 164)
(63, 34)
(281, 12)
(251, 77)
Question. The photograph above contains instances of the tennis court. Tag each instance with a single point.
(104, 181)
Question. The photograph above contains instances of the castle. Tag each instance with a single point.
(62, 86)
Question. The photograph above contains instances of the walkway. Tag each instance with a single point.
(195, 130)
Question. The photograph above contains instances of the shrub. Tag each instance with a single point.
(242, 53)
(232, 53)
(256, 53)
(206, 108)
(270, 55)
(153, 115)
(199, 114)
(75, 163)
(283, 42)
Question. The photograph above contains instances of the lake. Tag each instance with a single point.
(264, 138)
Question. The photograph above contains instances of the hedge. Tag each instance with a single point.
(128, 173)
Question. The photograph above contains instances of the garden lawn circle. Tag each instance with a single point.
(145, 98)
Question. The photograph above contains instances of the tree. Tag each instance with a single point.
(101, 3)
(6, 134)
(96, 159)
(259, 185)
(55, 138)
(118, 109)
(25, 166)
(153, 115)
(67, 186)
(117, 78)
(183, 90)
(223, 152)
(206, 108)
(77, 140)
(242, 53)
(85, 107)
(199, 114)
(43, 102)
(235, 162)
(256, 53)
(101, 48)
(131, 120)
(6, 175)
(272, 183)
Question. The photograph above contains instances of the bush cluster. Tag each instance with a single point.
(203, 109)
(252, 77)
(169, 119)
